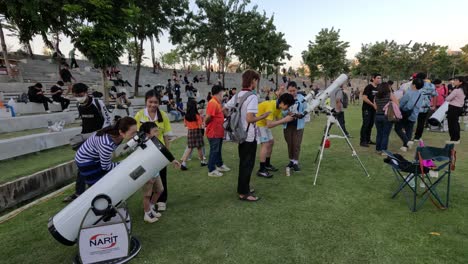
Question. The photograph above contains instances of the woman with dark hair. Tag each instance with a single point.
(384, 97)
(152, 113)
(194, 124)
(93, 158)
(456, 101)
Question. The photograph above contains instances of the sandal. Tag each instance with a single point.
(249, 198)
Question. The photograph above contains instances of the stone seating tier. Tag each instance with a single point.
(20, 123)
(14, 147)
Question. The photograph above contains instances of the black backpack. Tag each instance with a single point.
(23, 98)
(345, 100)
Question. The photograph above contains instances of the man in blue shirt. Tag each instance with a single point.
(410, 105)
(427, 93)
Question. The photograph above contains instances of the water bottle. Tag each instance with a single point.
(288, 171)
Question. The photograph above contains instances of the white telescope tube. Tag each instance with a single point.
(325, 94)
(119, 184)
(439, 115)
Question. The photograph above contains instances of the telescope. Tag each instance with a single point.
(439, 115)
(313, 102)
(112, 190)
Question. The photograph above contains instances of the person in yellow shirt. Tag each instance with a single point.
(152, 113)
(275, 118)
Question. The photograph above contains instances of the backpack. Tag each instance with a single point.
(233, 123)
(23, 98)
(345, 100)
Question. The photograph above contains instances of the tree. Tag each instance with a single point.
(256, 42)
(148, 19)
(4, 51)
(171, 58)
(327, 55)
(33, 17)
(96, 31)
(442, 64)
(211, 30)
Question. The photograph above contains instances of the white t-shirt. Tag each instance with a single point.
(250, 106)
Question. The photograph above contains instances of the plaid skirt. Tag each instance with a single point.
(195, 138)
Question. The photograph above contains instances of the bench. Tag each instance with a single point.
(15, 147)
(34, 108)
(13, 124)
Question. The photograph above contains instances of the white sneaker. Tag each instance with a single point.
(150, 217)
(404, 149)
(223, 168)
(56, 103)
(410, 144)
(156, 213)
(215, 173)
(161, 206)
(66, 110)
(48, 111)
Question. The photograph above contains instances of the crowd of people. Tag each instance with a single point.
(411, 104)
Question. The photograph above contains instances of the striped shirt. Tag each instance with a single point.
(97, 149)
(381, 102)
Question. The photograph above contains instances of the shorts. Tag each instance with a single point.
(264, 134)
(153, 186)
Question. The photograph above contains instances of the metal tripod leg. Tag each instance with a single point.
(326, 130)
(332, 120)
(352, 148)
(322, 148)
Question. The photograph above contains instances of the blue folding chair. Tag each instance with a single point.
(412, 175)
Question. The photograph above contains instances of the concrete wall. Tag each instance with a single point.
(29, 187)
(13, 124)
(14, 147)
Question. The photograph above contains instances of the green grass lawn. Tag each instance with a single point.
(345, 218)
(27, 164)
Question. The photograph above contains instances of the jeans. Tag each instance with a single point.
(453, 115)
(422, 118)
(80, 186)
(341, 119)
(368, 118)
(407, 126)
(384, 127)
(12, 110)
(247, 152)
(176, 115)
(216, 158)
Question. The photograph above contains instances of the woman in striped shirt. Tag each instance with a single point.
(93, 158)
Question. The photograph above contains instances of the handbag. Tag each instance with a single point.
(405, 114)
(391, 117)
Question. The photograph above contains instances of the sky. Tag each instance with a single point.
(359, 22)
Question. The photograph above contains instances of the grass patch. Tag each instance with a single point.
(346, 218)
(32, 131)
(25, 165)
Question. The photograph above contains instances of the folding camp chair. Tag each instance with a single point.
(416, 179)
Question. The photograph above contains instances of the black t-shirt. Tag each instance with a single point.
(92, 119)
(370, 91)
(54, 89)
(65, 75)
